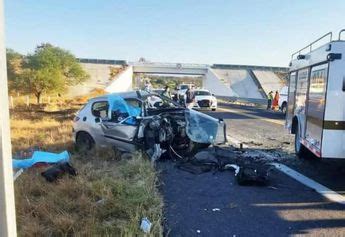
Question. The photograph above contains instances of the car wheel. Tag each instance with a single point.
(84, 142)
(284, 108)
(213, 109)
(299, 147)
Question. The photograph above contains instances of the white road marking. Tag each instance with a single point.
(275, 121)
(323, 190)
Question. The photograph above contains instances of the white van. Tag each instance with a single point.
(283, 98)
(316, 98)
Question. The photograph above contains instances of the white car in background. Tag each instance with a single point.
(181, 91)
(204, 100)
(283, 97)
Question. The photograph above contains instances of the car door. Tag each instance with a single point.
(122, 127)
(99, 110)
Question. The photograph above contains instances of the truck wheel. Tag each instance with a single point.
(299, 147)
(84, 142)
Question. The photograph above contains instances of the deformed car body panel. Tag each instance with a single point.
(202, 128)
(133, 122)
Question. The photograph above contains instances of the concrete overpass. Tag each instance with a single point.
(170, 68)
(246, 81)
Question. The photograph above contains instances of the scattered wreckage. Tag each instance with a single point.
(148, 121)
(248, 170)
(58, 162)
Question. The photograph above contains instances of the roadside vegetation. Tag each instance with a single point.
(48, 70)
(108, 197)
(159, 82)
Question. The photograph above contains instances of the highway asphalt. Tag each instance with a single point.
(213, 204)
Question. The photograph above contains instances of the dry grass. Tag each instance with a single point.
(107, 198)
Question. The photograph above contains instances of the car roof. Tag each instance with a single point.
(126, 95)
(201, 90)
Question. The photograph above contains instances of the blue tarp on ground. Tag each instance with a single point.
(41, 157)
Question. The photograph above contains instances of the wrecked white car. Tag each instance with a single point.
(148, 121)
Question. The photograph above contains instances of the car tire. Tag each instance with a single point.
(84, 142)
(284, 108)
(300, 149)
(214, 109)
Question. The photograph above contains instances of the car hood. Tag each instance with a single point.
(203, 128)
(204, 97)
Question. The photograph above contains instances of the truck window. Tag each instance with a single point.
(301, 91)
(316, 104)
(291, 97)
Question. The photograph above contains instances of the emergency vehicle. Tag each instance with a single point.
(316, 98)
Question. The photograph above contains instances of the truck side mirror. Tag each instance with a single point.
(343, 83)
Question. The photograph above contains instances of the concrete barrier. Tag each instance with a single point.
(122, 82)
(258, 102)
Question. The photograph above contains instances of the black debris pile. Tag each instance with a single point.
(247, 171)
(253, 175)
(57, 171)
(207, 160)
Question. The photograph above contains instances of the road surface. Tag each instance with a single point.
(213, 204)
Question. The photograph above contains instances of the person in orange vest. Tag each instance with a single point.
(275, 105)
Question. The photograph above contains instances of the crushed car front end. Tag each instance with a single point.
(157, 125)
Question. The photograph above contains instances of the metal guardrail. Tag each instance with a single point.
(262, 102)
(310, 46)
(249, 67)
(102, 61)
(340, 32)
(175, 65)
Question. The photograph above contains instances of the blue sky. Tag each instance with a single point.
(258, 32)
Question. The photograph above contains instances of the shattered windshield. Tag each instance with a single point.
(155, 102)
(201, 128)
(202, 93)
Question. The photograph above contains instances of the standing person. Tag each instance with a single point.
(147, 86)
(166, 92)
(269, 101)
(190, 97)
(275, 101)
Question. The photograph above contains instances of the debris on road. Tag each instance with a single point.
(41, 157)
(233, 166)
(145, 225)
(57, 171)
(247, 164)
(248, 175)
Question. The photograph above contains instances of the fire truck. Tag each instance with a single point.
(316, 97)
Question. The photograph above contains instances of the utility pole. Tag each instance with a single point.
(7, 207)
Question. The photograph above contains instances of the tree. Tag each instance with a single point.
(14, 63)
(49, 69)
